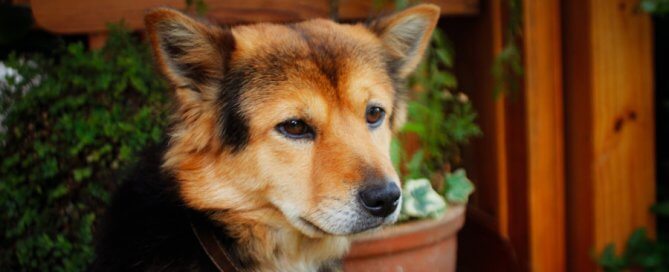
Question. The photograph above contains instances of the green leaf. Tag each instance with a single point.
(82, 173)
(445, 80)
(458, 187)
(414, 127)
(661, 209)
(58, 192)
(415, 164)
(609, 261)
(445, 57)
(419, 200)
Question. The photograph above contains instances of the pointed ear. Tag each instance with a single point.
(405, 36)
(189, 53)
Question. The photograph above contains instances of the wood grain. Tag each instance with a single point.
(76, 16)
(545, 135)
(611, 151)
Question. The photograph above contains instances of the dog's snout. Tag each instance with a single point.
(380, 200)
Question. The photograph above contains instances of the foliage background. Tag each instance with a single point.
(70, 124)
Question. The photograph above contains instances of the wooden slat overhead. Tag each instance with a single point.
(77, 16)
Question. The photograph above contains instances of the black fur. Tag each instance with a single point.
(147, 227)
(234, 125)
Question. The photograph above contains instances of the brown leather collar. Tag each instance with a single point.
(210, 244)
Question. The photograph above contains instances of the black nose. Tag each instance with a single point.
(380, 200)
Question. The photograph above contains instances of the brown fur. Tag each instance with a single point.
(262, 185)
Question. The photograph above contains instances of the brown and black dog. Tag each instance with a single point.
(279, 141)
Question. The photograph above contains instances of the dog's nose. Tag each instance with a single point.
(380, 200)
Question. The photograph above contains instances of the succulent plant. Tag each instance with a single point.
(458, 187)
(420, 200)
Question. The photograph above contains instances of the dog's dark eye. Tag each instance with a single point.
(375, 116)
(296, 129)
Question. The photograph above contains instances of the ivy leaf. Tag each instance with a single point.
(58, 192)
(661, 208)
(445, 57)
(414, 165)
(419, 200)
(609, 261)
(414, 127)
(82, 173)
(458, 187)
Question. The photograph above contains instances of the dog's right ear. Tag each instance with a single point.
(189, 53)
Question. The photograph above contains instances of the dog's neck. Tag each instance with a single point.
(265, 239)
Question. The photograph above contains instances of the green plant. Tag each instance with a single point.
(420, 200)
(641, 252)
(198, 6)
(658, 7)
(507, 68)
(69, 125)
(442, 121)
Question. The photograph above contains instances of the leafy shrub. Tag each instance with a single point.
(69, 125)
(442, 121)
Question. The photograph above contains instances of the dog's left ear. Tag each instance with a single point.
(191, 54)
(405, 35)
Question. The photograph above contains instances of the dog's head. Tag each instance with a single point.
(295, 119)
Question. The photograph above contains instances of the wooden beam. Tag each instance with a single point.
(545, 135)
(76, 16)
(610, 125)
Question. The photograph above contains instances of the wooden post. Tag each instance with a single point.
(545, 135)
(610, 125)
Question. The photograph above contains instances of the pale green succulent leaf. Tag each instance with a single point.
(458, 187)
(421, 201)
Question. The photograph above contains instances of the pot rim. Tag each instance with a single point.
(409, 235)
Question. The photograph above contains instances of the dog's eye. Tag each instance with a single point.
(375, 116)
(296, 129)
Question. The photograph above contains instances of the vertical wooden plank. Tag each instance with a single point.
(611, 169)
(477, 41)
(545, 134)
(624, 162)
(579, 153)
(499, 140)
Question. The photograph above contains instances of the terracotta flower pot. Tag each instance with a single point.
(425, 245)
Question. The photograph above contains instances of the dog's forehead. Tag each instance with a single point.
(317, 52)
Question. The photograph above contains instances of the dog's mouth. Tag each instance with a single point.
(313, 227)
(316, 230)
